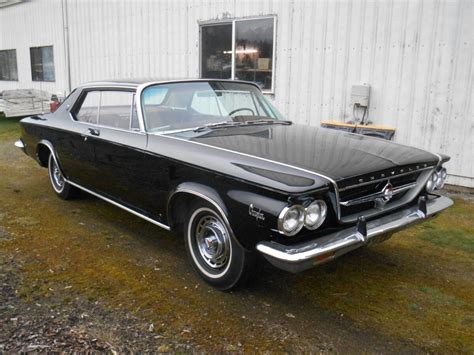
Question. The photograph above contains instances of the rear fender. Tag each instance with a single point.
(49, 146)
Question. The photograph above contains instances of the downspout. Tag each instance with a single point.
(66, 43)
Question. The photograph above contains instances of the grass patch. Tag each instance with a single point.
(9, 128)
(453, 229)
(454, 238)
(438, 297)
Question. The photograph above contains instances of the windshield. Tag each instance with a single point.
(188, 105)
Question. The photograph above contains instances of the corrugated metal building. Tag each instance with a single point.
(417, 56)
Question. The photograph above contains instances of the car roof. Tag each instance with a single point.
(135, 82)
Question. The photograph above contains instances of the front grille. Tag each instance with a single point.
(366, 198)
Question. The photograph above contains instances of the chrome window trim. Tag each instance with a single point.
(108, 86)
(106, 127)
(143, 86)
(131, 89)
(121, 130)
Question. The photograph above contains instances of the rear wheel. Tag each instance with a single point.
(215, 254)
(59, 184)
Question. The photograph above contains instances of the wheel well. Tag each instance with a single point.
(43, 153)
(177, 209)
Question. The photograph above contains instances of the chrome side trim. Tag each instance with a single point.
(148, 219)
(48, 145)
(376, 195)
(204, 197)
(303, 256)
(211, 201)
(268, 161)
(439, 159)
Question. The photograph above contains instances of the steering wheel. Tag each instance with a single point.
(242, 109)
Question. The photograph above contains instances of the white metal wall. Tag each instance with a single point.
(415, 55)
(33, 24)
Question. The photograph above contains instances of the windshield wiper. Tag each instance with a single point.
(223, 124)
(226, 124)
(267, 121)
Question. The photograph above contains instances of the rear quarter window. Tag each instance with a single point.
(88, 110)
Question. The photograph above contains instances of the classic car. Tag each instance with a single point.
(216, 161)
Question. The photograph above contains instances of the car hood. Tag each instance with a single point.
(335, 154)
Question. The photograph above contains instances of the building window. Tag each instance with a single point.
(42, 63)
(8, 66)
(216, 49)
(240, 49)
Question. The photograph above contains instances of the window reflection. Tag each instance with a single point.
(216, 42)
(42, 63)
(254, 51)
(252, 45)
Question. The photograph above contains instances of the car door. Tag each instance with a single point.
(74, 145)
(119, 148)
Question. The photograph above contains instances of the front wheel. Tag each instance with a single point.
(59, 184)
(215, 254)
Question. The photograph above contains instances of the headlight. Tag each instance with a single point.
(431, 184)
(291, 220)
(436, 180)
(441, 178)
(315, 214)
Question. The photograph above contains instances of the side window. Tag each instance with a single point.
(116, 109)
(89, 109)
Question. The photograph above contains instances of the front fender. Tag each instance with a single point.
(202, 191)
(249, 215)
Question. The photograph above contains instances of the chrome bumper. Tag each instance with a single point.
(303, 256)
(19, 144)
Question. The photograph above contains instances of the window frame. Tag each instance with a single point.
(78, 105)
(233, 21)
(16, 64)
(42, 65)
(82, 95)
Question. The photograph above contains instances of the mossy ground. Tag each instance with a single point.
(415, 291)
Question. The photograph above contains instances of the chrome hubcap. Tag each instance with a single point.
(212, 241)
(57, 176)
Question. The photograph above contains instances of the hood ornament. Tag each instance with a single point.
(387, 192)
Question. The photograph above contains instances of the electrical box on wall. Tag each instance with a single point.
(360, 95)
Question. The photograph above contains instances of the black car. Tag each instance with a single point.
(214, 160)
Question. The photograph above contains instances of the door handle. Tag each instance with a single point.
(94, 131)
